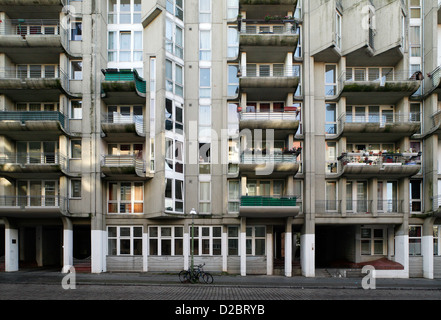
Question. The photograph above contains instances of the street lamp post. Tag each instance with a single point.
(192, 213)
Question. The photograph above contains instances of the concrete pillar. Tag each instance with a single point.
(427, 248)
(373, 191)
(11, 247)
(39, 245)
(243, 64)
(288, 247)
(145, 236)
(307, 251)
(269, 250)
(99, 250)
(67, 244)
(224, 249)
(186, 246)
(402, 246)
(242, 246)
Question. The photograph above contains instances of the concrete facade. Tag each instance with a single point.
(304, 134)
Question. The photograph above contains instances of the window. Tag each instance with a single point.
(373, 241)
(174, 156)
(76, 27)
(298, 54)
(125, 197)
(75, 188)
(174, 39)
(331, 157)
(233, 42)
(124, 240)
(330, 80)
(338, 22)
(174, 195)
(76, 70)
(205, 11)
(75, 149)
(415, 236)
(233, 241)
(205, 197)
(356, 197)
(166, 240)
(37, 193)
(436, 240)
(233, 196)
(204, 83)
(207, 240)
(415, 9)
(176, 8)
(205, 45)
(415, 195)
(331, 118)
(331, 196)
(174, 78)
(415, 41)
(76, 111)
(255, 240)
(205, 123)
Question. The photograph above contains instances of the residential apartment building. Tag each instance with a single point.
(277, 137)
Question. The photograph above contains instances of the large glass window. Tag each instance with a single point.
(330, 80)
(331, 118)
(166, 240)
(255, 240)
(415, 236)
(125, 197)
(205, 197)
(373, 241)
(207, 240)
(124, 240)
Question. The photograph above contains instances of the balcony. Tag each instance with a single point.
(254, 8)
(390, 126)
(41, 124)
(373, 165)
(46, 37)
(270, 120)
(127, 167)
(436, 206)
(274, 165)
(268, 82)
(117, 126)
(436, 120)
(44, 164)
(370, 88)
(34, 83)
(269, 207)
(33, 206)
(268, 41)
(123, 86)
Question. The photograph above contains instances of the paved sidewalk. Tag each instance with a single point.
(41, 276)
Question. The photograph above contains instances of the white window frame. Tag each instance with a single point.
(372, 239)
(118, 200)
(212, 240)
(130, 237)
(73, 187)
(173, 238)
(416, 238)
(252, 238)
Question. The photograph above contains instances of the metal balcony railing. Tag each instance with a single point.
(390, 206)
(358, 206)
(327, 206)
(268, 201)
(248, 158)
(275, 70)
(119, 118)
(24, 116)
(380, 159)
(134, 161)
(272, 116)
(46, 201)
(30, 27)
(269, 29)
(381, 119)
(33, 158)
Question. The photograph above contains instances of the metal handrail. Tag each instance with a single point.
(377, 159)
(31, 27)
(24, 116)
(392, 75)
(272, 72)
(280, 29)
(289, 116)
(327, 206)
(358, 206)
(33, 158)
(382, 119)
(269, 201)
(118, 118)
(55, 201)
(248, 158)
(390, 206)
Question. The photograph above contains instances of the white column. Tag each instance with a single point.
(427, 252)
(186, 247)
(11, 248)
(145, 263)
(99, 251)
(39, 245)
(67, 244)
(242, 246)
(224, 249)
(269, 251)
(288, 248)
(402, 248)
(307, 254)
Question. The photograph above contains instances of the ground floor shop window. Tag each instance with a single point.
(415, 233)
(233, 241)
(255, 240)
(166, 240)
(436, 240)
(207, 240)
(124, 240)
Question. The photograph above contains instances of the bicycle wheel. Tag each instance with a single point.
(207, 278)
(184, 276)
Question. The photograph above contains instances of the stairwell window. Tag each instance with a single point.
(331, 118)
(338, 23)
(75, 188)
(330, 80)
(75, 149)
(76, 29)
(76, 109)
(76, 70)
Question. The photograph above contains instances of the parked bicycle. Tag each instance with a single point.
(196, 275)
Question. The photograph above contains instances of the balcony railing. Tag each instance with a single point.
(265, 71)
(126, 75)
(358, 206)
(24, 116)
(389, 206)
(118, 118)
(381, 119)
(30, 27)
(328, 206)
(436, 202)
(268, 201)
(45, 201)
(268, 116)
(248, 158)
(138, 164)
(268, 29)
(380, 159)
(33, 158)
